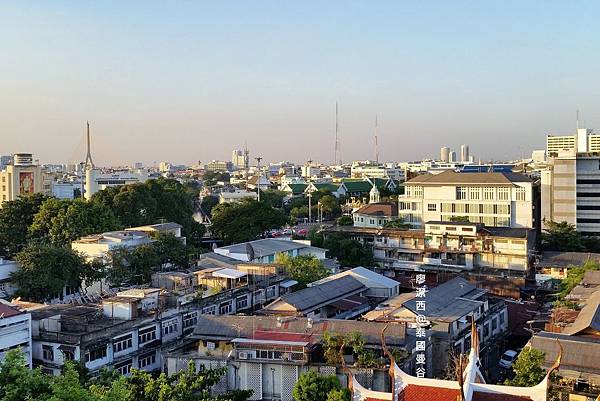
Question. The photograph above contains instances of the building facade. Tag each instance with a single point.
(493, 199)
(22, 178)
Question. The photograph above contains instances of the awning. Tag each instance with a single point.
(288, 283)
(229, 273)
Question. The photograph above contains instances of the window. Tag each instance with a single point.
(124, 367)
(503, 193)
(434, 228)
(122, 343)
(209, 310)
(475, 193)
(501, 317)
(242, 302)
(488, 193)
(271, 291)
(147, 334)
(494, 324)
(190, 319)
(147, 359)
(520, 194)
(95, 353)
(461, 193)
(371, 221)
(225, 308)
(48, 352)
(68, 355)
(170, 327)
(431, 207)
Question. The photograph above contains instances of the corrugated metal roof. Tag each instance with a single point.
(321, 294)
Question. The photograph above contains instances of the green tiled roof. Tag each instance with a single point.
(297, 189)
(358, 186)
(329, 187)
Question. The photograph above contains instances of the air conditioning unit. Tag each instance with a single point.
(245, 355)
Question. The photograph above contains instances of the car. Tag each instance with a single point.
(302, 232)
(508, 358)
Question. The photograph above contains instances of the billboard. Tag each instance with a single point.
(26, 183)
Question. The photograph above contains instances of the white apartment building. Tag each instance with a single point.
(493, 199)
(99, 245)
(15, 331)
(584, 140)
(570, 190)
(377, 171)
(23, 177)
(96, 180)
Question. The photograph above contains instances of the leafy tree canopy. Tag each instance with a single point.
(345, 221)
(244, 221)
(46, 270)
(561, 237)
(346, 250)
(528, 368)
(15, 217)
(313, 387)
(304, 268)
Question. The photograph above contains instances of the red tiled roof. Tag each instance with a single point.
(379, 209)
(480, 396)
(425, 393)
(7, 311)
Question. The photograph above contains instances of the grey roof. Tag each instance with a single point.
(510, 232)
(452, 177)
(267, 246)
(591, 278)
(330, 291)
(580, 353)
(589, 317)
(449, 301)
(364, 275)
(157, 227)
(564, 259)
(214, 260)
(228, 327)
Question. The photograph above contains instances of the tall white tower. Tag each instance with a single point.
(445, 154)
(464, 153)
(91, 187)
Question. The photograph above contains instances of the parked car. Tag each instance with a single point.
(302, 232)
(508, 358)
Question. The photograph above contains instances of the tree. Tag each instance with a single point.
(210, 178)
(313, 387)
(346, 250)
(62, 221)
(46, 270)
(15, 217)
(135, 206)
(561, 237)
(339, 395)
(273, 198)
(330, 206)
(397, 223)
(528, 368)
(208, 202)
(459, 219)
(244, 221)
(18, 382)
(132, 266)
(345, 221)
(170, 249)
(304, 268)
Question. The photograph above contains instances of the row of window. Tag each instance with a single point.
(125, 367)
(480, 208)
(488, 193)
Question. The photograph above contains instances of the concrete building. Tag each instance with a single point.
(218, 165)
(7, 268)
(99, 245)
(266, 250)
(464, 153)
(452, 157)
(493, 199)
(377, 171)
(584, 140)
(23, 177)
(236, 196)
(97, 180)
(240, 159)
(375, 215)
(570, 192)
(15, 330)
(444, 154)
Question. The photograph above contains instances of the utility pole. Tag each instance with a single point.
(258, 159)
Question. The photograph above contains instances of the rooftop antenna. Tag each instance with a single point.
(376, 142)
(246, 155)
(338, 153)
(88, 158)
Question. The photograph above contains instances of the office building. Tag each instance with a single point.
(23, 177)
(570, 191)
(240, 159)
(503, 199)
(464, 153)
(452, 157)
(445, 154)
(584, 140)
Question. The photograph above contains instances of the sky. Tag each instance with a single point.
(191, 81)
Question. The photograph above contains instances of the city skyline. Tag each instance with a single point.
(193, 81)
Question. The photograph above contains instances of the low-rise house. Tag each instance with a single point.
(7, 268)
(236, 196)
(15, 330)
(294, 189)
(99, 245)
(170, 228)
(266, 250)
(267, 354)
(126, 331)
(449, 308)
(557, 264)
(378, 286)
(339, 298)
(375, 215)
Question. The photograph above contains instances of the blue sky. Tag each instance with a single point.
(189, 81)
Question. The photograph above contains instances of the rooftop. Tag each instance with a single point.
(263, 247)
(379, 209)
(452, 178)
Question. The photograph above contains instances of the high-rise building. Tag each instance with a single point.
(239, 158)
(23, 177)
(584, 140)
(452, 157)
(445, 154)
(464, 153)
(570, 191)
